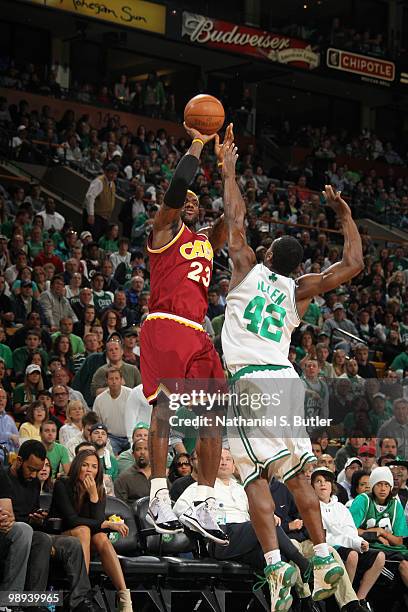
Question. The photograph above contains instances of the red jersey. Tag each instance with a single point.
(180, 274)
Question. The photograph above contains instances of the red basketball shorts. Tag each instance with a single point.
(171, 351)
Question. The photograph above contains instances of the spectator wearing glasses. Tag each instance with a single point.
(60, 376)
(60, 399)
(181, 483)
(180, 467)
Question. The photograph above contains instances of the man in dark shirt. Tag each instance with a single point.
(365, 368)
(25, 496)
(214, 307)
(134, 482)
(15, 542)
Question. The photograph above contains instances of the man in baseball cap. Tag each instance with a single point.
(99, 437)
(339, 323)
(366, 454)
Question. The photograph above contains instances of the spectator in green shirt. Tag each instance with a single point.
(7, 356)
(313, 315)
(66, 327)
(401, 361)
(57, 454)
(23, 354)
(109, 242)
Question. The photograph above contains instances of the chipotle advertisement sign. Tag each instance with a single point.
(244, 40)
(371, 69)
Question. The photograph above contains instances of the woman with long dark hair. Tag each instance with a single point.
(63, 350)
(79, 500)
(111, 322)
(45, 477)
(36, 414)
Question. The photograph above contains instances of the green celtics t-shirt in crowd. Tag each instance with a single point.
(57, 456)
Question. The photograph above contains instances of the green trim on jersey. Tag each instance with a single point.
(257, 368)
(259, 465)
(305, 458)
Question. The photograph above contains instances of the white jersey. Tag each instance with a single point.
(259, 319)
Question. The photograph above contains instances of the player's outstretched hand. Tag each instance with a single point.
(228, 139)
(196, 134)
(230, 160)
(335, 201)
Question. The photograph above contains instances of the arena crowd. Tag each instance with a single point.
(72, 303)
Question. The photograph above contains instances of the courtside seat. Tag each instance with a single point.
(128, 546)
(142, 573)
(185, 575)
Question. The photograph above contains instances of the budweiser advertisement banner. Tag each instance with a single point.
(244, 40)
(371, 69)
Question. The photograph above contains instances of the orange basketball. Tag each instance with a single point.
(205, 114)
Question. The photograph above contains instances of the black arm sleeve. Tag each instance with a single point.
(183, 176)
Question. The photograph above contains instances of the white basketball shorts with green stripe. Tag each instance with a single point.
(265, 423)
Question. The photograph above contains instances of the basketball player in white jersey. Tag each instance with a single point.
(264, 305)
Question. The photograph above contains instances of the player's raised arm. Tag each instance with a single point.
(167, 221)
(350, 265)
(240, 252)
(217, 233)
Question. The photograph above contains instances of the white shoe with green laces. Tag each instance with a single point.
(326, 574)
(280, 577)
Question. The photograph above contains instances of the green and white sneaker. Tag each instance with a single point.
(326, 574)
(281, 577)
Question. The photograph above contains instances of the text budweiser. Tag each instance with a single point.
(204, 31)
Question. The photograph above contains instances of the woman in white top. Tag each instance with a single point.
(75, 411)
(362, 563)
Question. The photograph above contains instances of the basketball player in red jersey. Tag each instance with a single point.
(173, 342)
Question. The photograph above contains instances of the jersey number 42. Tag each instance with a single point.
(262, 320)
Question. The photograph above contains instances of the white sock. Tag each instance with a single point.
(272, 557)
(321, 550)
(203, 492)
(156, 484)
